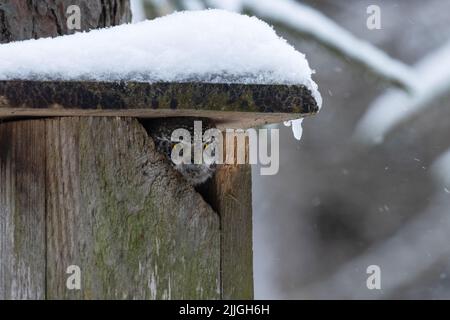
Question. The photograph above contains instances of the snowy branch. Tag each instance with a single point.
(441, 170)
(396, 107)
(194, 5)
(138, 11)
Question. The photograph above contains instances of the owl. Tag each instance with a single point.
(161, 130)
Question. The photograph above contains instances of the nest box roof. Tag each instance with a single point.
(211, 63)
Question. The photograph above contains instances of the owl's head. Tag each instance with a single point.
(161, 131)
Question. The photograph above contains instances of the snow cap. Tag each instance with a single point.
(194, 46)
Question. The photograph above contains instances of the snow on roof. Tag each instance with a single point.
(206, 46)
(309, 21)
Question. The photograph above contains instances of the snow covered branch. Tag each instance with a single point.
(396, 107)
(193, 5)
(441, 170)
(138, 11)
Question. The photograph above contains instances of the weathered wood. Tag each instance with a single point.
(118, 210)
(243, 105)
(230, 195)
(223, 119)
(108, 211)
(22, 210)
(93, 192)
(233, 201)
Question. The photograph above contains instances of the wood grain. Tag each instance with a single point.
(115, 208)
(118, 210)
(223, 119)
(230, 195)
(22, 210)
(244, 105)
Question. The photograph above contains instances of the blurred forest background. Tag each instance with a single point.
(340, 201)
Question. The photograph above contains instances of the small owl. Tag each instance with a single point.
(161, 130)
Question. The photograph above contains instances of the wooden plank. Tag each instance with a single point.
(235, 206)
(223, 119)
(265, 103)
(120, 212)
(22, 210)
(230, 195)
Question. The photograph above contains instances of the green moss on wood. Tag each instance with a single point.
(177, 96)
(148, 234)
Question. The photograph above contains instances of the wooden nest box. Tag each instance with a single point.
(81, 184)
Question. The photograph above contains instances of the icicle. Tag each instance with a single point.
(297, 128)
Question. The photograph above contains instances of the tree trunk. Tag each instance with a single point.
(32, 19)
(94, 193)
